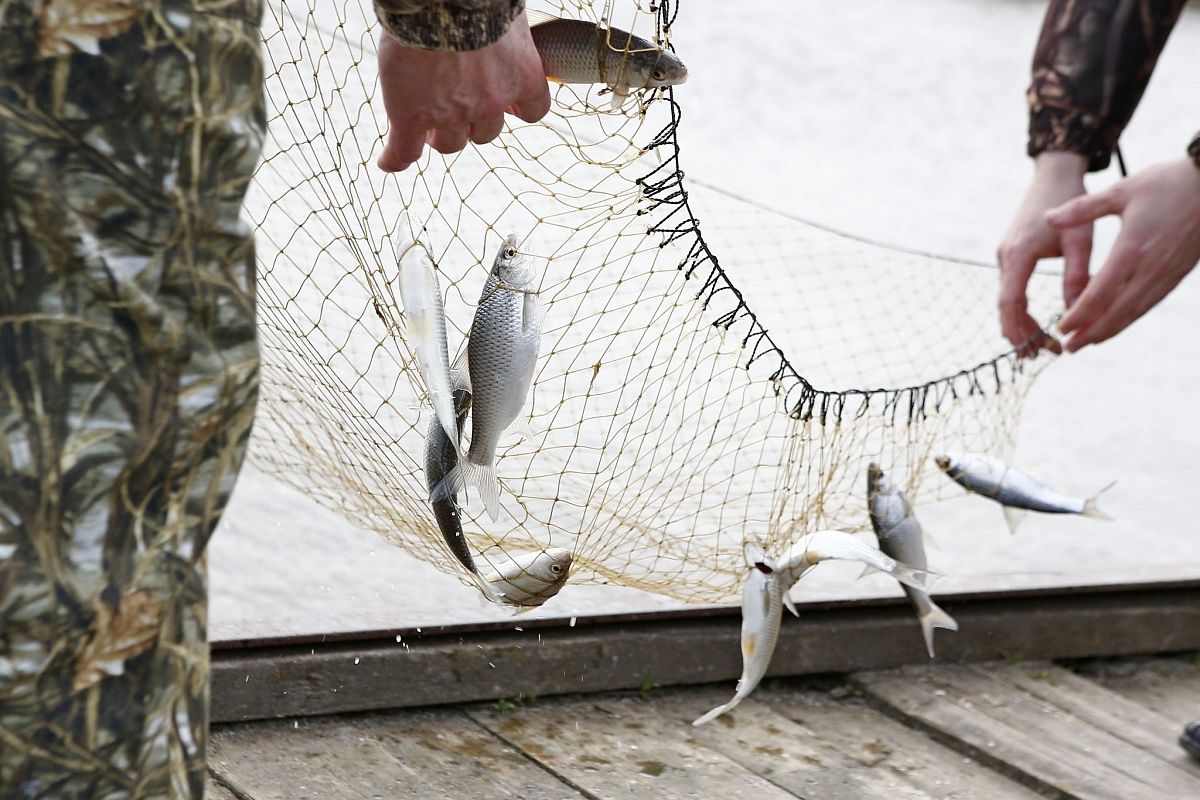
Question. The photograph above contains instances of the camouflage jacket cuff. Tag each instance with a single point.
(452, 25)
(1194, 151)
(1070, 130)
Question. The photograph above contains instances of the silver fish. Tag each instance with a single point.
(529, 579)
(1013, 489)
(577, 51)
(762, 614)
(501, 355)
(818, 546)
(901, 537)
(426, 321)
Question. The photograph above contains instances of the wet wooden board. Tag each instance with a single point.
(625, 747)
(215, 791)
(1035, 739)
(831, 747)
(1168, 686)
(462, 758)
(322, 759)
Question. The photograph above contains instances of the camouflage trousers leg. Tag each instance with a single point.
(128, 376)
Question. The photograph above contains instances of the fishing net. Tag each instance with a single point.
(699, 383)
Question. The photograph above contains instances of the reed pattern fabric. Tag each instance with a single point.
(128, 377)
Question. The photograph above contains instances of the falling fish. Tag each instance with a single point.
(762, 612)
(820, 546)
(502, 353)
(422, 299)
(529, 579)
(900, 536)
(577, 51)
(1013, 489)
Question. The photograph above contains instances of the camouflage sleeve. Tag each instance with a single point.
(447, 24)
(1092, 63)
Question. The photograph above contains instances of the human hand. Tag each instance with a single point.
(1057, 178)
(447, 98)
(1158, 245)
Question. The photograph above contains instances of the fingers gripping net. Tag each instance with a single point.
(681, 403)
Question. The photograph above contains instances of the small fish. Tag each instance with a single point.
(441, 456)
(529, 579)
(577, 51)
(813, 548)
(1013, 489)
(901, 537)
(422, 299)
(502, 354)
(762, 613)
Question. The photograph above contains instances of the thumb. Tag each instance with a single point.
(1084, 209)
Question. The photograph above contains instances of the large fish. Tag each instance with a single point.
(529, 579)
(501, 355)
(576, 51)
(762, 613)
(900, 536)
(426, 320)
(1013, 489)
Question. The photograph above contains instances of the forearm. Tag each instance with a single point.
(1091, 66)
(447, 24)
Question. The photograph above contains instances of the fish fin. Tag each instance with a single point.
(488, 591)
(716, 712)
(866, 570)
(618, 97)
(935, 618)
(480, 476)
(449, 486)
(1091, 510)
(1013, 517)
(530, 312)
(791, 605)
(911, 576)
(538, 17)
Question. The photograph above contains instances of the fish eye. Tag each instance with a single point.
(658, 74)
(556, 569)
(510, 252)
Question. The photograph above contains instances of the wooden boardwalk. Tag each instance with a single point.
(1101, 730)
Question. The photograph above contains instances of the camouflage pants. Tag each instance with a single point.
(128, 375)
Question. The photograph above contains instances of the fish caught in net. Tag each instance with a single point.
(709, 373)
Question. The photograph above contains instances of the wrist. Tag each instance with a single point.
(1060, 164)
(445, 25)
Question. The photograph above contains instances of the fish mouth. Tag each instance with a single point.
(943, 462)
(874, 472)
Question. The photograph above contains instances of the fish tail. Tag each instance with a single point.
(934, 617)
(1091, 510)
(483, 478)
(911, 576)
(716, 712)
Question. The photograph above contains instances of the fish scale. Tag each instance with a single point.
(501, 357)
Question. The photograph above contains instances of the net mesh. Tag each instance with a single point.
(698, 384)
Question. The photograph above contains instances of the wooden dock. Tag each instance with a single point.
(1097, 729)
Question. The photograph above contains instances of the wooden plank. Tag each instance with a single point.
(622, 747)
(911, 758)
(819, 747)
(256, 683)
(1126, 719)
(1169, 686)
(323, 759)
(460, 757)
(1045, 745)
(216, 791)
